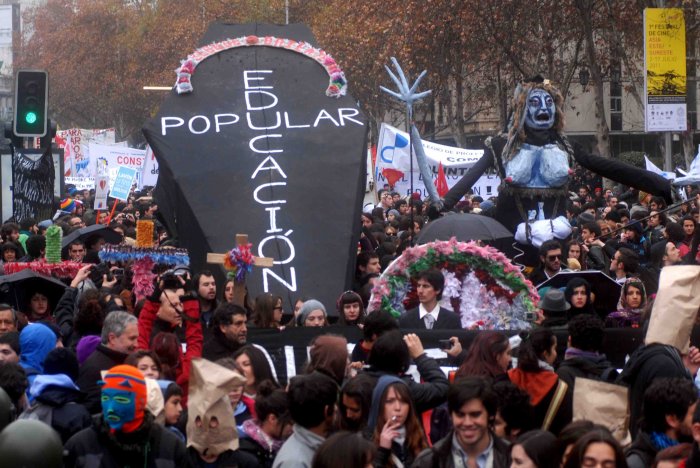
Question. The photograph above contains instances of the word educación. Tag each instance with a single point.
(265, 144)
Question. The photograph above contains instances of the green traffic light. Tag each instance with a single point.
(30, 117)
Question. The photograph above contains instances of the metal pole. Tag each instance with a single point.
(668, 153)
(286, 11)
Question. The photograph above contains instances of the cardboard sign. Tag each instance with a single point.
(121, 188)
(101, 191)
(259, 147)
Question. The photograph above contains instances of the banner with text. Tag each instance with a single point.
(110, 158)
(664, 70)
(393, 164)
(76, 153)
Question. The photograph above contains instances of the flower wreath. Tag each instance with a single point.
(337, 85)
(481, 285)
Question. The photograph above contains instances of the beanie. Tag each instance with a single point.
(308, 307)
(394, 212)
(62, 361)
(67, 205)
(119, 381)
(86, 346)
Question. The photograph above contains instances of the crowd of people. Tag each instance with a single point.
(122, 382)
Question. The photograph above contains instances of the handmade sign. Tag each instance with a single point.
(481, 285)
(259, 147)
(239, 262)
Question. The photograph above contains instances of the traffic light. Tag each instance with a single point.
(31, 103)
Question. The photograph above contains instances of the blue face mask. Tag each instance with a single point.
(541, 110)
(118, 407)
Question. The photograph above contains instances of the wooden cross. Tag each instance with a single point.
(239, 288)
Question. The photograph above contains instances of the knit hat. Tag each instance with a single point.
(124, 378)
(45, 223)
(62, 361)
(394, 212)
(308, 307)
(86, 346)
(67, 205)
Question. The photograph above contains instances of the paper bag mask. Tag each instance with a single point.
(154, 400)
(211, 426)
(605, 404)
(676, 307)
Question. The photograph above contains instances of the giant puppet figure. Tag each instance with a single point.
(534, 160)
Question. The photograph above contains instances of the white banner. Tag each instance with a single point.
(393, 160)
(76, 153)
(109, 158)
(149, 175)
(650, 166)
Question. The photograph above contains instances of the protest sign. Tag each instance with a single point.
(111, 157)
(122, 183)
(261, 137)
(101, 186)
(393, 164)
(75, 143)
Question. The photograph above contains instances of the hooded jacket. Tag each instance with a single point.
(587, 367)
(329, 355)
(253, 442)
(646, 364)
(35, 342)
(58, 391)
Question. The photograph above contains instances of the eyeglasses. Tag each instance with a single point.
(553, 257)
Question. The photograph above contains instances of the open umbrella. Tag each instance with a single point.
(605, 289)
(465, 227)
(96, 230)
(16, 289)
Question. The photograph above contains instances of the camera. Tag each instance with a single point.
(445, 344)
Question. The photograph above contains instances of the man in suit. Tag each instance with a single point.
(429, 315)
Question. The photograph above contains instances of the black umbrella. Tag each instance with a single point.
(85, 234)
(465, 227)
(17, 289)
(605, 289)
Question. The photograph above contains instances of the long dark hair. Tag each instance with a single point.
(264, 312)
(482, 357)
(415, 439)
(261, 367)
(575, 458)
(533, 347)
(344, 449)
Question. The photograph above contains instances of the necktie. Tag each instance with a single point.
(429, 321)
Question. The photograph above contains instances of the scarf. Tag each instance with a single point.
(251, 429)
(661, 441)
(571, 353)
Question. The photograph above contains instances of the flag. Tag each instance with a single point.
(441, 182)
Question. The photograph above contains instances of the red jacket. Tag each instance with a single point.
(193, 336)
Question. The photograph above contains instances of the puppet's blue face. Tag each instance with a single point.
(118, 407)
(540, 110)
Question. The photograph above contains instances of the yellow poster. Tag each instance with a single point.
(665, 69)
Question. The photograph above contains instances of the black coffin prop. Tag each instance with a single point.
(285, 164)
